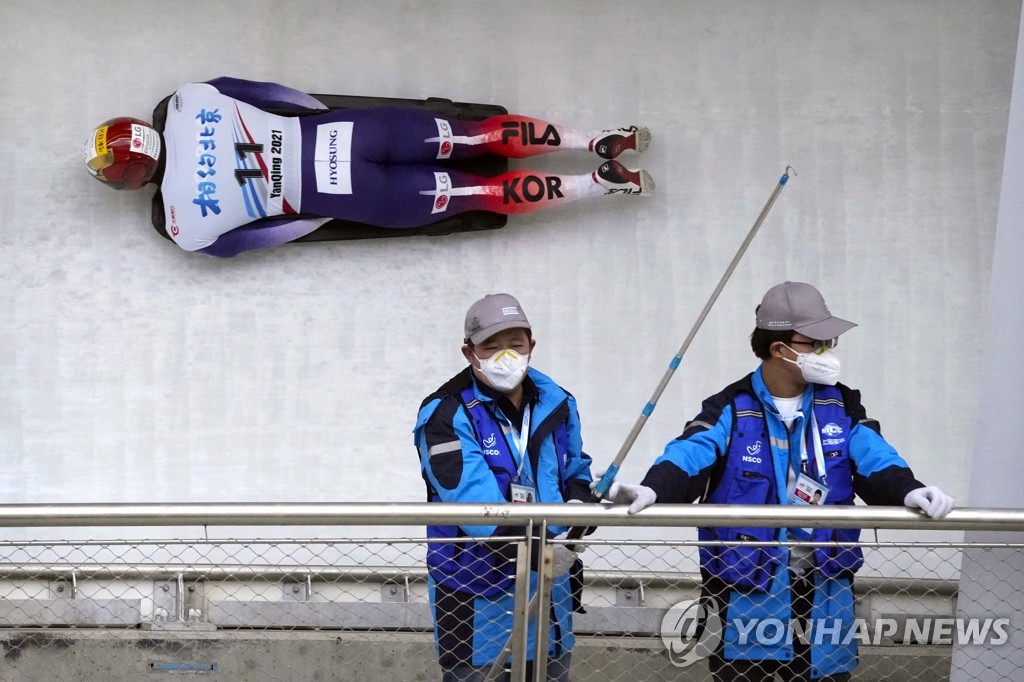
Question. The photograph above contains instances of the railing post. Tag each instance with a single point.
(181, 614)
(165, 602)
(521, 619)
(60, 586)
(543, 597)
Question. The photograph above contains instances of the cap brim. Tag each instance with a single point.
(826, 329)
(487, 333)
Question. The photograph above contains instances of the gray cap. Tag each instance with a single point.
(491, 314)
(799, 307)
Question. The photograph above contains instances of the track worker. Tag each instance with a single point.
(498, 431)
(235, 173)
(779, 436)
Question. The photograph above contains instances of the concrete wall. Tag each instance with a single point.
(992, 580)
(134, 371)
(277, 657)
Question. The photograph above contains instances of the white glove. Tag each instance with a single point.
(636, 496)
(562, 559)
(931, 500)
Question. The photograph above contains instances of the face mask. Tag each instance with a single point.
(505, 369)
(817, 368)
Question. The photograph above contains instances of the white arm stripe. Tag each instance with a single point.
(442, 448)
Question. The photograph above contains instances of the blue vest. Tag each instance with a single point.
(472, 567)
(747, 476)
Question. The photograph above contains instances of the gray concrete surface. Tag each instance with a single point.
(113, 656)
(993, 581)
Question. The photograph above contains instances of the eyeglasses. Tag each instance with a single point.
(818, 346)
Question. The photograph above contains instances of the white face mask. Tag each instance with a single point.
(817, 368)
(505, 369)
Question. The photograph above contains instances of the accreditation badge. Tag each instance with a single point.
(523, 493)
(808, 492)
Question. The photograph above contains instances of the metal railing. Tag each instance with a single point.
(378, 584)
(411, 513)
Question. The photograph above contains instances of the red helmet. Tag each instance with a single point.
(123, 153)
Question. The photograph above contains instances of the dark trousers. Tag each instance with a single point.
(799, 669)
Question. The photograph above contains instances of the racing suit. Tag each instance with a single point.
(237, 177)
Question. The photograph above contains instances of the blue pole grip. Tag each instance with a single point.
(606, 482)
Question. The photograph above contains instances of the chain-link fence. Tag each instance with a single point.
(671, 607)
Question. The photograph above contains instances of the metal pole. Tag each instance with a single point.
(519, 638)
(497, 668)
(606, 481)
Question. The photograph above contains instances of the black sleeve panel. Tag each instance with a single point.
(578, 490)
(447, 469)
(887, 487)
(673, 485)
(440, 430)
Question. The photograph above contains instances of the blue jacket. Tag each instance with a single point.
(738, 451)
(467, 455)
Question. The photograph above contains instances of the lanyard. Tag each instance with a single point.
(819, 456)
(520, 439)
